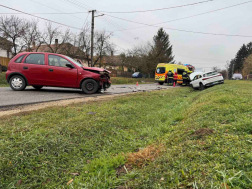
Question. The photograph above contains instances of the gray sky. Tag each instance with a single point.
(202, 51)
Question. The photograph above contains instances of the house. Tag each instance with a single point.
(5, 48)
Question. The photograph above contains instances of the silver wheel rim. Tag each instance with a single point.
(16, 82)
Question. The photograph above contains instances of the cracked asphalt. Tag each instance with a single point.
(9, 98)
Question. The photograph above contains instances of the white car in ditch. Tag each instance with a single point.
(206, 79)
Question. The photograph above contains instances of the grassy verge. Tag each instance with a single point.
(3, 82)
(176, 138)
(123, 80)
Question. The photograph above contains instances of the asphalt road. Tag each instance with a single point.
(9, 98)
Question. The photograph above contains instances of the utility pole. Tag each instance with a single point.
(92, 37)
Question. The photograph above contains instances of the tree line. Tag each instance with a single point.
(242, 61)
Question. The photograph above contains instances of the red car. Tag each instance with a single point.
(55, 70)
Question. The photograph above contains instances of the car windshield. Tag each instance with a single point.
(136, 74)
(160, 70)
(74, 61)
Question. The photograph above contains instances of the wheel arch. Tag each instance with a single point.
(84, 79)
(16, 73)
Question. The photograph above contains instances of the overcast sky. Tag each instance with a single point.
(202, 51)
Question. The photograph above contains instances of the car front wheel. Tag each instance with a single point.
(161, 83)
(17, 83)
(202, 87)
(89, 86)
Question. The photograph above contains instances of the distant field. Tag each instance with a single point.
(180, 138)
(3, 82)
(123, 80)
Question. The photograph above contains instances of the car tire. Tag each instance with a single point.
(161, 83)
(202, 87)
(89, 86)
(37, 87)
(17, 83)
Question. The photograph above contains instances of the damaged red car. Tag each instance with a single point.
(54, 70)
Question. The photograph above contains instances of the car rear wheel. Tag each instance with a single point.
(161, 83)
(17, 83)
(37, 87)
(89, 86)
(202, 87)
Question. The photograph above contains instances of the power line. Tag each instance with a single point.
(50, 13)
(52, 8)
(40, 17)
(109, 21)
(192, 15)
(180, 30)
(160, 9)
(85, 23)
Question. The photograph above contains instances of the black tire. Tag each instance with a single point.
(17, 83)
(37, 87)
(89, 86)
(202, 87)
(161, 83)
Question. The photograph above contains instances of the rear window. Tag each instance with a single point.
(35, 59)
(19, 59)
(161, 70)
(211, 74)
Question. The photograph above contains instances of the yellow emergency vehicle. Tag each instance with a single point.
(163, 69)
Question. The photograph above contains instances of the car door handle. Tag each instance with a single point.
(50, 70)
(25, 68)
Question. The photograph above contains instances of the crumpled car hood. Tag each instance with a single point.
(96, 69)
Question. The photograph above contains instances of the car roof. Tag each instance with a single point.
(40, 53)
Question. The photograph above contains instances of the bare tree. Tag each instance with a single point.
(51, 35)
(85, 44)
(216, 69)
(102, 45)
(32, 36)
(13, 29)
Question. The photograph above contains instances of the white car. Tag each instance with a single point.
(237, 76)
(207, 79)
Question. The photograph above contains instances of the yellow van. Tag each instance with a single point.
(163, 69)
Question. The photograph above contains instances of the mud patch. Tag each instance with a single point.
(202, 132)
(124, 169)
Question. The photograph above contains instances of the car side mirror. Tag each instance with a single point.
(69, 65)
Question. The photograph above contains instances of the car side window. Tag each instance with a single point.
(35, 59)
(196, 77)
(19, 59)
(58, 61)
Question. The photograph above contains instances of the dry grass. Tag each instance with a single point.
(144, 156)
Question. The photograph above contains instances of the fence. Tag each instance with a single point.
(4, 61)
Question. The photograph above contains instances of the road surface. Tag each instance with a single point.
(9, 98)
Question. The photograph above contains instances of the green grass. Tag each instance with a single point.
(43, 149)
(3, 82)
(123, 80)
